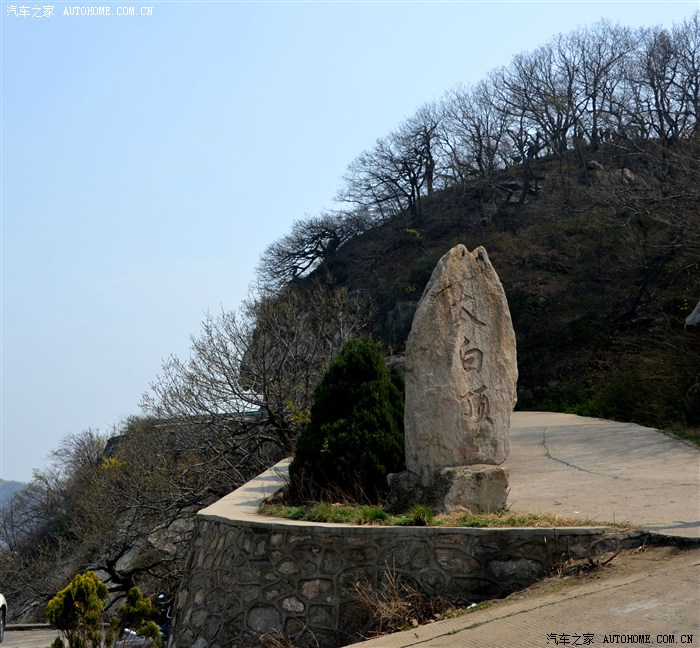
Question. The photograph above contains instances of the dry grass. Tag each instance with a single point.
(398, 604)
(276, 640)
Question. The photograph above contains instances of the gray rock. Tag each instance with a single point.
(264, 618)
(628, 177)
(623, 175)
(474, 489)
(461, 368)
(694, 318)
(481, 488)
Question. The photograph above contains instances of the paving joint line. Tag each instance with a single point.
(574, 466)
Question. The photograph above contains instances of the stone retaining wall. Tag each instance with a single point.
(248, 576)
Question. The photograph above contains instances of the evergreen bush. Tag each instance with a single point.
(137, 614)
(355, 435)
(77, 610)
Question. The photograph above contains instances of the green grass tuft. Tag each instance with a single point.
(422, 515)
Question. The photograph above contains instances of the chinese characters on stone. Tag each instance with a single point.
(472, 359)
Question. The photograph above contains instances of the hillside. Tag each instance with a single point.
(8, 488)
(600, 269)
(576, 166)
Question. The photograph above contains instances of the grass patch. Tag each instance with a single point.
(419, 515)
(423, 516)
(690, 434)
(327, 512)
(509, 518)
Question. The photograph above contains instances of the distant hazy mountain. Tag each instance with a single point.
(8, 489)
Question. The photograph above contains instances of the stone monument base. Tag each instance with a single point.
(479, 488)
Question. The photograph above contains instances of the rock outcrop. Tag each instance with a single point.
(461, 375)
(461, 368)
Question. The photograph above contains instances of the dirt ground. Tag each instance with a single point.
(605, 567)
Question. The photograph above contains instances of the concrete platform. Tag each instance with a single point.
(604, 471)
(608, 472)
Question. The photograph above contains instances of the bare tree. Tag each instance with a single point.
(259, 364)
(398, 171)
(419, 136)
(310, 244)
(686, 38)
(39, 527)
(540, 90)
(599, 75)
(45, 502)
(127, 512)
(472, 134)
(664, 102)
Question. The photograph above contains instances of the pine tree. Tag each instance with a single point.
(355, 435)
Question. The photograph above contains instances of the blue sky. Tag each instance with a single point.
(148, 160)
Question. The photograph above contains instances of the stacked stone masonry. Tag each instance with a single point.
(246, 579)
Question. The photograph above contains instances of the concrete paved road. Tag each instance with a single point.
(604, 471)
(42, 638)
(28, 638)
(658, 604)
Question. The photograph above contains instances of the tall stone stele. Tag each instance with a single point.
(461, 376)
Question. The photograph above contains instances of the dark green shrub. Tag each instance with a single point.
(355, 435)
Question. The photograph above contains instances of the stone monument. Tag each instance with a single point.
(461, 375)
